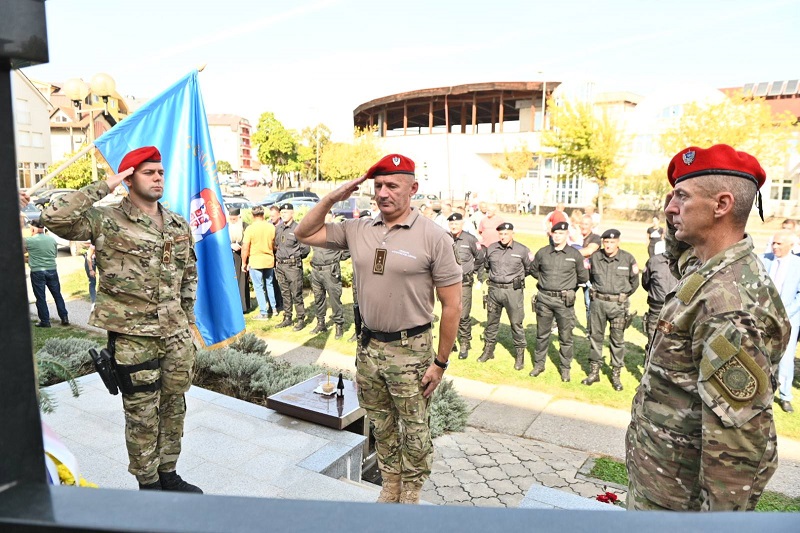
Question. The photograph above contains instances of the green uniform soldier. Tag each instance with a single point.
(289, 255)
(326, 281)
(471, 256)
(702, 435)
(614, 275)
(401, 258)
(508, 262)
(145, 300)
(559, 269)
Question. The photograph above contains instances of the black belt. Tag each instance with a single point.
(367, 333)
(554, 294)
(501, 285)
(324, 265)
(288, 261)
(611, 297)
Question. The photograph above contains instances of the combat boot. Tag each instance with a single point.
(519, 362)
(300, 324)
(339, 332)
(594, 373)
(565, 374)
(390, 491)
(538, 368)
(410, 493)
(615, 382)
(172, 481)
(464, 352)
(488, 353)
(319, 328)
(287, 321)
(156, 485)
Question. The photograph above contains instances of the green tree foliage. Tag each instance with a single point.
(346, 161)
(310, 139)
(747, 124)
(514, 164)
(654, 189)
(277, 147)
(223, 167)
(77, 174)
(587, 141)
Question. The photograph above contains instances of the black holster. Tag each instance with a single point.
(116, 376)
(518, 283)
(568, 297)
(357, 320)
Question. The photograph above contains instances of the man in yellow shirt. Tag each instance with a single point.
(258, 258)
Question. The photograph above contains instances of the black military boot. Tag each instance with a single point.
(538, 368)
(488, 353)
(300, 324)
(172, 481)
(156, 485)
(455, 348)
(565, 374)
(319, 328)
(339, 332)
(519, 362)
(594, 373)
(464, 351)
(615, 382)
(287, 321)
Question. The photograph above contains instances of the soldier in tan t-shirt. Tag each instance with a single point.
(399, 258)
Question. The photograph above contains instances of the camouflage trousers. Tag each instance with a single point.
(389, 378)
(154, 420)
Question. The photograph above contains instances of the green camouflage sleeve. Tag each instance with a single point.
(189, 284)
(738, 441)
(73, 217)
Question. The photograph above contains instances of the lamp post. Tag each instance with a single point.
(77, 90)
(541, 133)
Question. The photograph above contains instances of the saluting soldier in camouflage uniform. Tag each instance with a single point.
(326, 280)
(614, 275)
(145, 299)
(559, 269)
(508, 262)
(702, 436)
(400, 258)
(289, 255)
(470, 255)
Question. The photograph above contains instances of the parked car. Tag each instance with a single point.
(232, 189)
(351, 207)
(279, 197)
(253, 179)
(236, 203)
(31, 213)
(431, 199)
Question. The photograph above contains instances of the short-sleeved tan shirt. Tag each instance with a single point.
(419, 256)
(261, 236)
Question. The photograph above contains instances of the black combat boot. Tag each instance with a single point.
(455, 348)
(538, 368)
(319, 328)
(488, 353)
(172, 481)
(464, 352)
(594, 373)
(156, 485)
(615, 382)
(339, 332)
(287, 321)
(519, 362)
(565, 374)
(300, 324)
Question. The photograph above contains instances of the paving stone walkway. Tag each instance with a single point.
(494, 470)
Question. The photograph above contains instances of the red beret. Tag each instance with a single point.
(719, 159)
(134, 158)
(391, 164)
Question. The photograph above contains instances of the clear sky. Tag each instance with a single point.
(312, 61)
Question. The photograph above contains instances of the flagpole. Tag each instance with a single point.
(42, 182)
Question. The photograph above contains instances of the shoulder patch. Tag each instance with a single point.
(690, 287)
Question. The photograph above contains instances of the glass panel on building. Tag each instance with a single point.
(776, 88)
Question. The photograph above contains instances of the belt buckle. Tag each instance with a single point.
(404, 338)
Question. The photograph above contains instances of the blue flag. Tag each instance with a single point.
(175, 122)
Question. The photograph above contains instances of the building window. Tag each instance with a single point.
(61, 118)
(781, 190)
(39, 171)
(37, 140)
(24, 174)
(23, 112)
(24, 138)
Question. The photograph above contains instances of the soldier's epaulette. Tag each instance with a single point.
(690, 287)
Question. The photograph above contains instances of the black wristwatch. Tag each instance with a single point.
(441, 365)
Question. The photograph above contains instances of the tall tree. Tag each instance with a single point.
(313, 142)
(745, 123)
(514, 164)
(77, 174)
(223, 167)
(345, 161)
(587, 141)
(276, 146)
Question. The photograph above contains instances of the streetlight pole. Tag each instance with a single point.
(541, 153)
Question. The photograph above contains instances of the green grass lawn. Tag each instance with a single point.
(500, 370)
(606, 469)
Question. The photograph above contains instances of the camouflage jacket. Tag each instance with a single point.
(147, 278)
(702, 435)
